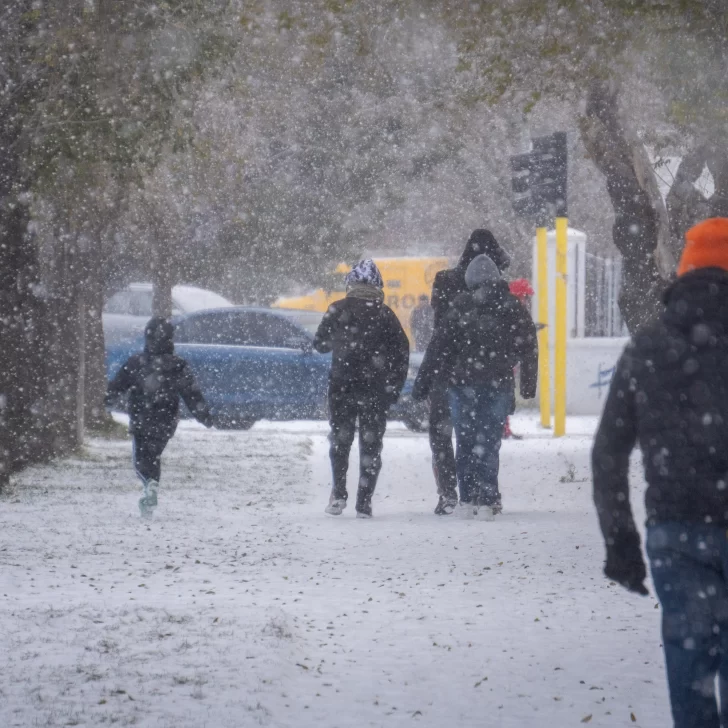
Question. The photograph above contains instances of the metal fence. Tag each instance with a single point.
(603, 279)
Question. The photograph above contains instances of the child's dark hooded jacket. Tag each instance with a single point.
(155, 380)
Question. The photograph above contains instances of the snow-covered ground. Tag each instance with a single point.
(242, 604)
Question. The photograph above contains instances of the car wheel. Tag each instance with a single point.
(233, 422)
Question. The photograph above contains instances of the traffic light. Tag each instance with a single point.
(539, 179)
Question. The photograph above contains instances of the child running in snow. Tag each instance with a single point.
(155, 380)
(368, 370)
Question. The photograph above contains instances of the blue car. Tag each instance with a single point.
(256, 363)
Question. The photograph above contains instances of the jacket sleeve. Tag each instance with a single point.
(613, 444)
(439, 298)
(439, 357)
(323, 341)
(528, 344)
(192, 396)
(123, 380)
(398, 358)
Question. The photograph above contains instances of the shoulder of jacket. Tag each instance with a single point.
(463, 301)
(337, 306)
(444, 277)
(179, 363)
(647, 339)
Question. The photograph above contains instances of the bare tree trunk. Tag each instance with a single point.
(685, 204)
(637, 226)
(95, 353)
(718, 165)
(22, 365)
(30, 429)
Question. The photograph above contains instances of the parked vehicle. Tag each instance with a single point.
(405, 280)
(126, 313)
(256, 363)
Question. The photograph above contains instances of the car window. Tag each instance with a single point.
(241, 328)
(270, 330)
(140, 303)
(227, 329)
(119, 303)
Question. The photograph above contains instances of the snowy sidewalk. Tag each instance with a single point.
(242, 604)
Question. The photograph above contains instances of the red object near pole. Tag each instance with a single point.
(521, 288)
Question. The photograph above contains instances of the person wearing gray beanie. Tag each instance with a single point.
(481, 271)
(447, 286)
(486, 333)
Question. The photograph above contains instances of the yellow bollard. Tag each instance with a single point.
(544, 375)
(560, 330)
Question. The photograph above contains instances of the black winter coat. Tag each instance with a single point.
(670, 394)
(155, 383)
(449, 284)
(485, 334)
(370, 348)
(421, 325)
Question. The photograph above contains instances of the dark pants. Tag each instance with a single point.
(344, 410)
(479, 414)
(147, 457)
(689, 564)
(443, 453)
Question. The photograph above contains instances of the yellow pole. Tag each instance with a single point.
(560, 333)
(544, 375)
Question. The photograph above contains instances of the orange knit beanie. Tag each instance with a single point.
(706, 246)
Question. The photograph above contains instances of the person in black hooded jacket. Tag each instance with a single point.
(155, 380)
(368, 370)
(669, 393)
(449, 284)
(486, 333)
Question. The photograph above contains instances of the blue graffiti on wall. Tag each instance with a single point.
(604, 379)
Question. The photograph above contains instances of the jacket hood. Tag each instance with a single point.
(159, 337)
(483, 242)
(697, 303)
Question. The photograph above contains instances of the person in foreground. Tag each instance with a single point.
(670, 394)
(368, 371)
(447, 286)
(155, 380)
(486, 333)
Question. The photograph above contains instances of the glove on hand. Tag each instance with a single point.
(626, 566)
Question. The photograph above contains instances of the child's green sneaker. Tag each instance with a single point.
(148, 502)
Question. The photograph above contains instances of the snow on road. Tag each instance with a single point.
(242, 604)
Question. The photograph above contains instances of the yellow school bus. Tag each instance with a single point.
(405, 280)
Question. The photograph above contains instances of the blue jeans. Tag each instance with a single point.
(689, 564)
(479, 415)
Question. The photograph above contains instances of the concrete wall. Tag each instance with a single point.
(590, 365)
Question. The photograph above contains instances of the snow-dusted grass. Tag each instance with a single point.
(242, 604)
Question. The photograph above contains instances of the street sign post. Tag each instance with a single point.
(539, 180)
(539, 183)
